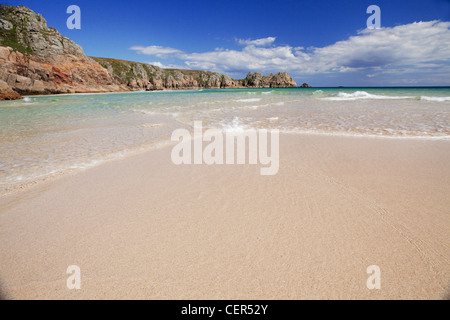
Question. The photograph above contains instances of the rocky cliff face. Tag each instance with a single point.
(6, 93)
(27, 32)
(37, 59)
(140, 76)
(280, 80)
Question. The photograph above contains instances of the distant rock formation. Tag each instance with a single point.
(305, 85)
(258, 80)
(141, 76)
(37, 59)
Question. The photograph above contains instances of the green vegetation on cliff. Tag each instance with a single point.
(122, 68)
(13, 32)
(128, 71)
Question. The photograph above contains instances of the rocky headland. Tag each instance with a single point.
(37, 59)
(142, 76)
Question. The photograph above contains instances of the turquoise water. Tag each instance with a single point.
(41, 136)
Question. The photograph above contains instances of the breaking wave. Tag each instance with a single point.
(360, 95)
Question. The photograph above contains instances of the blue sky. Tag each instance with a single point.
(324, 43)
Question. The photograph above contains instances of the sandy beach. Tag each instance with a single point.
(145, 228)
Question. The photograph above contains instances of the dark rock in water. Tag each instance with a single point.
(305, 85)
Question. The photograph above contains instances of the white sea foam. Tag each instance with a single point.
(248, 100)
(152, 113)
(438, 99)
(60, 168)
(235, 125)
(255, 107)
(354, 134)
(360, 95)
(148, 112)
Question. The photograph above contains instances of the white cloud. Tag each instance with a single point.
(258, 42)
(156, 51)
(420, 47)
(409, 44)
(166, 66)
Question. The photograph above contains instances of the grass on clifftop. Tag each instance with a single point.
(10, 38)
(124, 70)
(121, 68)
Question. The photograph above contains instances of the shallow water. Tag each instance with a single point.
(40, 136)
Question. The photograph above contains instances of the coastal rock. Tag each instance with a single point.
(228, 82)
(305, 85)
(282, 80)
(37, 59)
(6, 93)
(5, 25)
(279, 80)
(256, 79)
(27, 32)
(142, 76)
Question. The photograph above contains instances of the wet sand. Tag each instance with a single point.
(144, 228)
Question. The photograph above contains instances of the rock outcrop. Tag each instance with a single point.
(279, 80)
(142, 76)
(6, 93)
(37, 59)
(305, 85)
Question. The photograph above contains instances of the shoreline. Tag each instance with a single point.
(135, 91)
(11, 189)
(220, 88)
(158, 231)
(156, 90)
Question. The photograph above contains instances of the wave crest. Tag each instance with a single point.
(360, 95)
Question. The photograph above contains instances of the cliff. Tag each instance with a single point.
(37, 59)
(279, 80)
(141, 76)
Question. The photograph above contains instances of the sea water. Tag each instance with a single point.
(44, 135)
